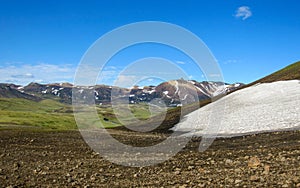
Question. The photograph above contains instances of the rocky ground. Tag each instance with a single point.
(31, 158)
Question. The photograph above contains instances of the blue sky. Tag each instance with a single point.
(43, 41)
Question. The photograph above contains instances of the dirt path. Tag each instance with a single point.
(63, 159)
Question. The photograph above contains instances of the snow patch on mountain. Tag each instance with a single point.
(259, 108)
(176, 87)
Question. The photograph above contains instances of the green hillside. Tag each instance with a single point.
(50, 114)
(291, 72)
(19, 104)
(23, 112)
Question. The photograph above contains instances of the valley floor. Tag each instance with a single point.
(31, 158)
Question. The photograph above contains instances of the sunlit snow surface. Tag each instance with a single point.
(259, 108)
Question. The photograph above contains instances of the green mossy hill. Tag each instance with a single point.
(291, 72)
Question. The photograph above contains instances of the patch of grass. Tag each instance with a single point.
(171, 118)
(45, 120)
(50, 114)
(18, 104)
(55, 115)
(141, 111)
(109, 117)
(23, 112)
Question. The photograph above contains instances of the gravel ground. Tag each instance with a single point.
(36, 158)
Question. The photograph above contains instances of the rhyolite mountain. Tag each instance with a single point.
(172, 92)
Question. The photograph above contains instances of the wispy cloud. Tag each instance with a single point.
(150, 79)
(243, 12)
(230, 61)
(20, 73)
(180, 62)
(109, 68)
(26, 75)
(127, 81)
(214, 75)
(107, 77)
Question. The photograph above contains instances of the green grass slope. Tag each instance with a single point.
(23, 112)
(291, 72)
(19, 104)
(50, 114)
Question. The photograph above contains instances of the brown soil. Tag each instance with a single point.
(31, 158)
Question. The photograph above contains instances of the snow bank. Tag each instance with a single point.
(259, 108)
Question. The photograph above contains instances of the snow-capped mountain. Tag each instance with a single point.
(178, 91)
(173, 93)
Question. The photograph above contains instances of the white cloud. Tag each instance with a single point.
(20, 73)
(180, 62)
(243, 12)
(110, 68)
(127, 81)
(214, 75)
(230, 61)
(107, 77)
(26, 75)
(150, 79)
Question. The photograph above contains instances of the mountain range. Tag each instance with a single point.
(167, 91)
(48, 105)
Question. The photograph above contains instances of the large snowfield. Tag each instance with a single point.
(259, 108)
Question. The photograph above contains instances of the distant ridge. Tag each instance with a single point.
(12, 91)
(167, 91)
